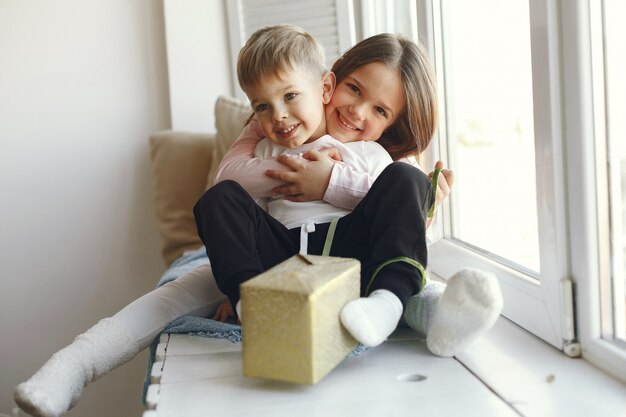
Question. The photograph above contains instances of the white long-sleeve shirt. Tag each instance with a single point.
(365, 157)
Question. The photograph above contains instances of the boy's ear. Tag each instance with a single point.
(328, 85)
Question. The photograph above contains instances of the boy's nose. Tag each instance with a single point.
(280, 114)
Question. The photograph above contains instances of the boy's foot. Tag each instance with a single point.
(372, 319)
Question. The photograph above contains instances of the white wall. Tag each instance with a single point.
(198, 61)
(82, 85)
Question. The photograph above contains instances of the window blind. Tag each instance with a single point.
(330, 21)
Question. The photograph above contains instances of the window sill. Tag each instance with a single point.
(509, 372)
(536, 379)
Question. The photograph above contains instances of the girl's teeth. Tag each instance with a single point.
(345, 123)
(289, 129)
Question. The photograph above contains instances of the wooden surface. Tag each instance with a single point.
(203, 377)
(508, 372)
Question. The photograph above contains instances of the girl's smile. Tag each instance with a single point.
(345, 122)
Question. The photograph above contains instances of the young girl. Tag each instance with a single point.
(57, 386)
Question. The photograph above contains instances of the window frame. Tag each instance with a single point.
(590, 254)
(572, 188)
(545, 306)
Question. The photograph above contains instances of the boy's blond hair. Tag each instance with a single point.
(275, 49)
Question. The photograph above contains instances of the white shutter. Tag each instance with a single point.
(330, 21)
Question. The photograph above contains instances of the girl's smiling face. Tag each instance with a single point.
(365, 103)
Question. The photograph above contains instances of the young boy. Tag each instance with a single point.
(281, 70)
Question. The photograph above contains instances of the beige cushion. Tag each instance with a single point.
(230, 118)
(184, 165)
(180, 165)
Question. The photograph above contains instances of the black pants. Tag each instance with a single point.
(242, 240)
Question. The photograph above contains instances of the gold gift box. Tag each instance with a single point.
(290, 318)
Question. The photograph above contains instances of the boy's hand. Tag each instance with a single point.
(308, 180)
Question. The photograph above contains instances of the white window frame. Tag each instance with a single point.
(584, 94)
(568, 173)
(377, 16)
(544, 306)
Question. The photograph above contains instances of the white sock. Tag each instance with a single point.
(57, 386)
(372, 319)
(469, 306)
(421, 307)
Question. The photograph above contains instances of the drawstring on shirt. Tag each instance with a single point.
(308, 227)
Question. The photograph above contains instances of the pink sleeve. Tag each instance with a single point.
(239, 164)
(347, 187)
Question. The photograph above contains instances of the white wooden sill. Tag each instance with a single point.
(509, 372)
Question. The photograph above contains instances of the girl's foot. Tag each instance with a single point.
(57, 386)
(469, 306)
(420, 308)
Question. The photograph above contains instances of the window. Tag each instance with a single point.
(604, 332)
(498, 65)
(394, 16)
(490, 129)
(615, 163)
(532, 98)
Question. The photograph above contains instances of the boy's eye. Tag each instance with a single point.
(290, 96)
(260, 107)
(381, 111)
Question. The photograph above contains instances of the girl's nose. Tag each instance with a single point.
(358, 111)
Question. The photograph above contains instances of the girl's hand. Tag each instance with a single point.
(331, 152)
(309, 180)
(224, 313)
(444, 183)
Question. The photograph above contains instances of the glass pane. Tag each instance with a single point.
(394, 16)
(615, 82)
(489, 109)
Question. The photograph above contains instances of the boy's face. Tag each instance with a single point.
(365, 103)
(290, 106)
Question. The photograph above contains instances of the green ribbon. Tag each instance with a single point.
(398, 259)
(433, 184)
(329, 237)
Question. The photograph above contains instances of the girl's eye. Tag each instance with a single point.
(260, 107)
(381, 111)
(354, 88)
(290, 96)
